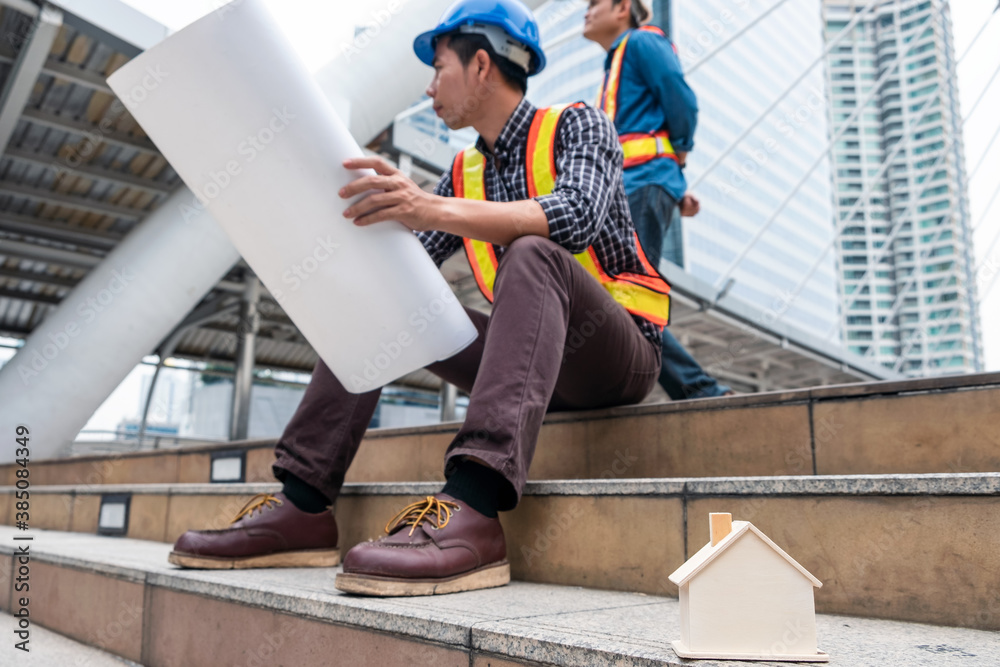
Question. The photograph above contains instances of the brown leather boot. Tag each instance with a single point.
(434, 546)
(268, 532)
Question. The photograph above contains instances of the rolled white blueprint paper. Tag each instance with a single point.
(246, 127)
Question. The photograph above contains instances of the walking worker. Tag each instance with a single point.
(539, 208)
(655, 112)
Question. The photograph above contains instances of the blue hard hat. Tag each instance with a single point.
(507, 24)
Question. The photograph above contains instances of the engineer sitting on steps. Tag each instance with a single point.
(539, 208)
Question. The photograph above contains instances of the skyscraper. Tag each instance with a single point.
(904, 247)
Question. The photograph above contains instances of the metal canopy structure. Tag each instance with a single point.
(77, 174)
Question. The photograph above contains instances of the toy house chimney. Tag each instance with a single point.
(721, 525)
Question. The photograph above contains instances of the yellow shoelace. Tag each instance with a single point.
(437, 512)
(260, 500)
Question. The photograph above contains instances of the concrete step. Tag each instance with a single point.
(51, 649)
(917, 548)
(931, 425)
(123, 596)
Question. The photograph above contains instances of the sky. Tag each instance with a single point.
(974, 74)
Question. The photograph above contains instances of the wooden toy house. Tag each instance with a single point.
(743, 598)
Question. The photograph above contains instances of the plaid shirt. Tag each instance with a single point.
(588, 206)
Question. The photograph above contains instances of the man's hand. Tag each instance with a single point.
(689, 206)
(400, 198)
(396, 197)
(681, 158)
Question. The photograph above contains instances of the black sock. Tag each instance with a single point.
(478, 486)
(303, 496)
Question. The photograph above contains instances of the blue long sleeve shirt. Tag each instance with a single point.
(653, 96)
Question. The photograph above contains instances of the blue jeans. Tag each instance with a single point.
(657, 223)
(657, 220)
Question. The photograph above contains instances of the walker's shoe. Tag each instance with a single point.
(438, 545)
(268, 532)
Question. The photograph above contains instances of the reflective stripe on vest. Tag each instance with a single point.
(468, 182)
(642, 295)
(639, 147)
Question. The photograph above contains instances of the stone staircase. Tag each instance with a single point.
(50, 649)
(122, 595)
(932, 425)
(887, 492)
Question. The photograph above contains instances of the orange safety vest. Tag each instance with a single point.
(639, 147)
(644, 295)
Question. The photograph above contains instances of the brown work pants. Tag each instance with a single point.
(555, 340)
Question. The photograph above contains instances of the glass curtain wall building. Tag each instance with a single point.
(790, 269)
(904, 242)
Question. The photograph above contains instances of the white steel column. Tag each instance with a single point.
(246, 335)
(116, 315)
